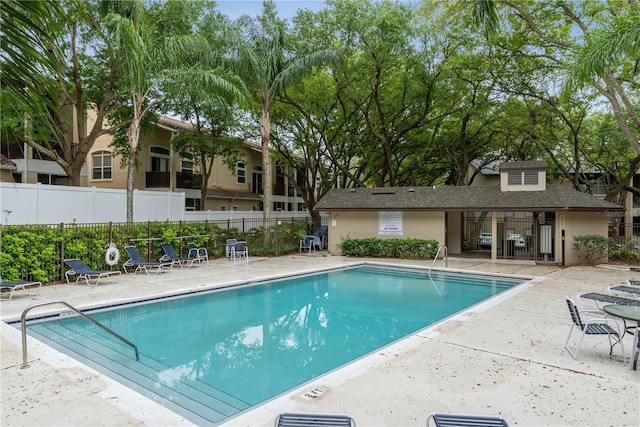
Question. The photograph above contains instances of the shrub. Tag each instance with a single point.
(594, 246)
(389, 248)
(624, 254)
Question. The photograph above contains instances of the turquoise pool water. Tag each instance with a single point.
(210, 356)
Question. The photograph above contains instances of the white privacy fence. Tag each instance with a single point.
(54, 204)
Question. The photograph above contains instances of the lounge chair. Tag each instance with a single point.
(441, 419)
(635, 350)
(635, 290)
(308, 244)
(609, 299)
(595, 326)
(136, 260)
(170, 255)
(290, 419)
(200, 254)
(12, 286)
(82, 271)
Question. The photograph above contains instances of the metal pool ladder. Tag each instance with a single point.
(435, 258)
(23, 327)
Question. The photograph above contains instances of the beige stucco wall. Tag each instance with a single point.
(364, 224)
(454, 233)
(578, 224)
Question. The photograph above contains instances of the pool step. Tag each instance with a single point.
(195, 401)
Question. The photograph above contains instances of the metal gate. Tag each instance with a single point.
(530, 236)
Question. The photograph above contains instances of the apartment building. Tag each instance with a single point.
(162, 169)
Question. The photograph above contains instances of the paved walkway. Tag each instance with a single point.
(503, 357)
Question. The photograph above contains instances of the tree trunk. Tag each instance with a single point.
(265, 131)
(134, 137)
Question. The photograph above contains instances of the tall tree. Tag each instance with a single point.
(147, 58)
(267, 66)
(56, 105)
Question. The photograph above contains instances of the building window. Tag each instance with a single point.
(186, 165)
(234, 208)
(530, 178)
(241, 173)
(101, 165)
(278, 206)
(192, 204)
(514, 178)
(508, 214)
(223, 208)
(48, 179)
(302, 207)
(159, 159)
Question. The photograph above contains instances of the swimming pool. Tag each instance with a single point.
(210, 356)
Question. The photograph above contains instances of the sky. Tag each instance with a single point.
(287, 9)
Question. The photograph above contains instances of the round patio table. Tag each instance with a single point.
(624, 312)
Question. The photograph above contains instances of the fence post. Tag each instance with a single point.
(62, 257)
(148, 240)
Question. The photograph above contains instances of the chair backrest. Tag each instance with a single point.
(134, 254)
(232, 242)
(457, 420)
(168, 249)
(575, 314)
(241, 247)
(191, 246)
(77, 265)
(313, 420)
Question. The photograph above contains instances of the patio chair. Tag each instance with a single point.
(635, 349)
(200, 254)
(594, 326)
(229, 249)
(308, 244)
(290, 419)
(136, 260)
(12, 286)
(321, 233)
(81, 270)
(609, 299)
(241, 250)
(170, 255)
(441, 419)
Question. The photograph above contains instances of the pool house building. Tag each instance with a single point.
(521, 218)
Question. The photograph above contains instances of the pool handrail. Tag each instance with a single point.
(23, 328)
(435, 258)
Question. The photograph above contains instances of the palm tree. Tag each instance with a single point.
(267, 67)
(28, 41)
(145, 62)
(614, 42)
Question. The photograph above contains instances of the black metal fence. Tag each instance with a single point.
(37, 252)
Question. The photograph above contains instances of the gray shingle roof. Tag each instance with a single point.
(473, 198)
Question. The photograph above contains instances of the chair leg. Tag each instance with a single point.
(566, 344)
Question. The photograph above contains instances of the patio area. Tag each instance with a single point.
(503, 357)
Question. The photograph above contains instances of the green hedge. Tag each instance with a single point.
(389, 248)
(37, 252)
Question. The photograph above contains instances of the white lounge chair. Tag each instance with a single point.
(13, 286)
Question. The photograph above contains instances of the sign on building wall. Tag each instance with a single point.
(390, 223)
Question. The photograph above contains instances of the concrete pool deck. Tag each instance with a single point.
(503, 357)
